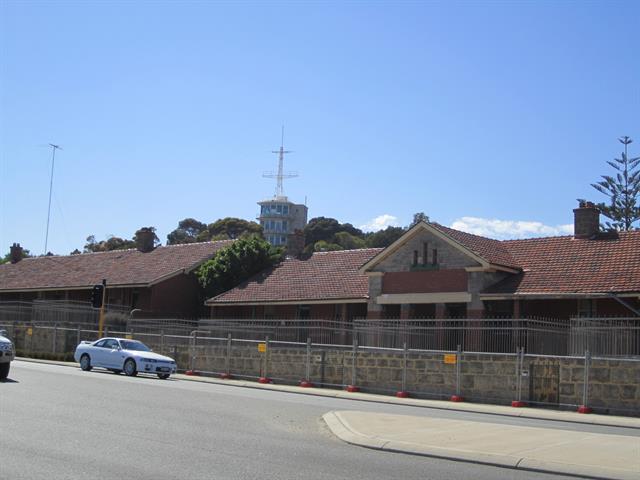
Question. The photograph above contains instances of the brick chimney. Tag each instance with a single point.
(586, 220)
(15, 253)
(295, 243)
(145, 239)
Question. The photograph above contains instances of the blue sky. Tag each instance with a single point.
(489, 116)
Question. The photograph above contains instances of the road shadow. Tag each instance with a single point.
(9, 380)
(140, 375)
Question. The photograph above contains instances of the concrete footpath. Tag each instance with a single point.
(565, 452)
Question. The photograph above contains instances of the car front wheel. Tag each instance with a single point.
(130, 368)
(85, 363)
(163, 376)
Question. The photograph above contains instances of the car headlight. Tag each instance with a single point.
(6, 347)
(150, 360)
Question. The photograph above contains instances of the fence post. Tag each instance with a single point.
(162, 342)
(519, 369)
(265, 374)
(306, 383)
(78, 335)
(458, 397)
(227, 374)
(55, 335)
(33, 334)
(403, 391)
(192, 360)
(585, 408)
(352, 387)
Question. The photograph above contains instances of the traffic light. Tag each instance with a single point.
(96, 295)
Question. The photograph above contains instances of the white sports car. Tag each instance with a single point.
(123, 355)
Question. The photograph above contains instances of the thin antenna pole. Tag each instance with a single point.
(280, 187)
(280, 175)
(53, 161)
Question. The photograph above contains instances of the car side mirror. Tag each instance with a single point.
(3, 333)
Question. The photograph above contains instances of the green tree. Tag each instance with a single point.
(236, 263)
(417, 218)
(324, 246)
(384, 238)
(111, 243)
(320, 228)
(623, 190)
(348, 241)
(229, 228)
(117, 243)
(187, 232)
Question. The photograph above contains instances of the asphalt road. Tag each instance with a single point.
(61, 423)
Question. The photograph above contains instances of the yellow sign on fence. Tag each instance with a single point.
(262, 347)
(29, 331)
(450, 358)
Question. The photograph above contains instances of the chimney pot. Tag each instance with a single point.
(15, 253)
(145, 240)
(586, 220)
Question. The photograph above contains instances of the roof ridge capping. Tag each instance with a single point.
(349, 250)
(227, 240)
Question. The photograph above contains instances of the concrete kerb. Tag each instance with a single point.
(341, 427)
(501, 410)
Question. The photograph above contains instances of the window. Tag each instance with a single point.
(285, 209)
(415, 257)
(285, 226)
(435, 256)
(425, 253)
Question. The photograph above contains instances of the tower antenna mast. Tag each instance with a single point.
(53, 162)
(280, 175)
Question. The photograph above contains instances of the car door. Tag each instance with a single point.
(112, 354)
(97, 352)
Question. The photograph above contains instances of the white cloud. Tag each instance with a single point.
(509, 229)
(380, 223)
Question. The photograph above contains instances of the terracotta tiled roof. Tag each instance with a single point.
(119, 267)
(609, 263)
(322, 276)
(493, 251)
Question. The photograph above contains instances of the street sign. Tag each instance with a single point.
(450, 358)
(262, 347)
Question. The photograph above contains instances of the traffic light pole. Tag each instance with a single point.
(101, 320)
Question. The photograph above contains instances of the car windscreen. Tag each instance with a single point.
(131, 345)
